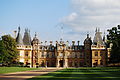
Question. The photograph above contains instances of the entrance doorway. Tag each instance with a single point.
(61, 63)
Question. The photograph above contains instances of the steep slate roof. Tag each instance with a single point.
(27, 38)
(98, 39)
(19, 39)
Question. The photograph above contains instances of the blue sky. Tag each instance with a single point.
(78, 17)
(39, 16)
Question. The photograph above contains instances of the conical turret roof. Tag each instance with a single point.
(19, 39)
(98, 39)
(27, 38)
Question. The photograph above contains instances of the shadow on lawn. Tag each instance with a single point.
(73, 77)
(79, 74)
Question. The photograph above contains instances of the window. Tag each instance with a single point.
(53, 55)
(75, 55)
(70, 55)
(101, 53)
(42, 54)
(101, 63)
(96, 53)
(47, 55)
(40, 47)
(81, 55)
(76, 48)
(26, 53)
(61, 54)
(52, 48)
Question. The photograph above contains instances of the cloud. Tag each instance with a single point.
(86, 15)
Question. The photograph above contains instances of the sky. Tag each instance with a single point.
(46, 17)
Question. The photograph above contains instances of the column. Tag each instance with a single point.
(30, 59)
(66, 63)
(57, 63)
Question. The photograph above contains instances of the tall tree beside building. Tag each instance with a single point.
(114, 39)
(8, 50)
(2, 52)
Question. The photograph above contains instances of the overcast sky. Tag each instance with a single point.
(77, 17)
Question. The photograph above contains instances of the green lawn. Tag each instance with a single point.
(105, 73)
(15, 69)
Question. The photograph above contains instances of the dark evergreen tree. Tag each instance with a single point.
(114, 38)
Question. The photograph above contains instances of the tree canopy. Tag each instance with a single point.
(8, 50)
(114, 39)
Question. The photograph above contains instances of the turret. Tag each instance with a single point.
(97, 39)
(35, 40)
(88, 41)
(27, 38)
(19, 39)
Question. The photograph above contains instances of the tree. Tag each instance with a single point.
(114, 38)
(2, 52)
(8, 50)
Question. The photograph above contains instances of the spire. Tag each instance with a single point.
(19, 29)
(35, 34)
(27, 38)
(96, 29)
(98, 38)
(19, 37)
(104, 37)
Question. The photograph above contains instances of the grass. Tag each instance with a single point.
(15, 69)
(104, 73)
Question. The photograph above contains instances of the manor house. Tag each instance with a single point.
(62, 54)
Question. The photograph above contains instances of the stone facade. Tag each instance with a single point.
(62, 54)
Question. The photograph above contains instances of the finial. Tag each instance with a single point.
(51, 42)
(15, 33)
(35, 34)
(67, 41)
(29, 31)
(73, 42)
(78, 42)
(96, 29)
(45, 42)
(104, 32)
(19, 29)
(87, 35)
(60, 39)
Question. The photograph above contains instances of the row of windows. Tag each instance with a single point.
(73, 55)
(96, 53)
(52, 55)
(61, 47)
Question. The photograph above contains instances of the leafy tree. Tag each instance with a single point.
(8, 50)
(114, 38)
(2, 52)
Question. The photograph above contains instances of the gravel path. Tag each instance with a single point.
(26, 74)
